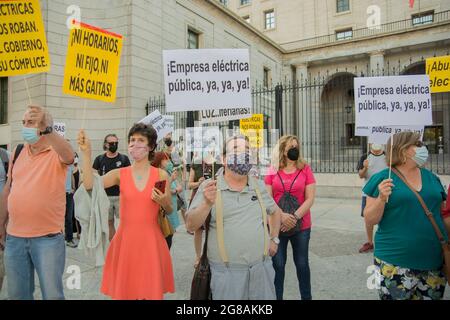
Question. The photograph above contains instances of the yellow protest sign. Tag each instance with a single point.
(253, 128)
(92, 63)
(23, 46)
(438, 69)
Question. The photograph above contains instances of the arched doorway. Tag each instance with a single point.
(339, 145)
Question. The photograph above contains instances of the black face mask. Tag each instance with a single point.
(168, 142)
(112, 146)
(293, 154)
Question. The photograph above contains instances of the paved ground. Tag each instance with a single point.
(338, 270)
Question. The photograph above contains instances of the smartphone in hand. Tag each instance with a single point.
(161, 185)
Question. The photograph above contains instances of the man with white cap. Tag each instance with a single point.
(368, 165)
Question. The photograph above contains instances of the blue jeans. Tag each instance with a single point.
(46, 255)
(300, 247)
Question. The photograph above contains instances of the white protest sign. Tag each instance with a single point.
(229, 114)
(203, 139)
(381, 135)
(362, 131)
(60, 128)
(393, 101)
(170, 122)
(158, 123)
(205, 79)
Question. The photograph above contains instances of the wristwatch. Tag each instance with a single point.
(47, 130)
(275, 240)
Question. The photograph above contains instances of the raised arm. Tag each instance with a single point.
(374, 211)
(206, 198)
(110, 179)
(43, 118)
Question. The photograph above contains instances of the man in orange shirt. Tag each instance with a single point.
(32, 209)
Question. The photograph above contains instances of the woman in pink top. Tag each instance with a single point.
(138, 264)
(293, 188)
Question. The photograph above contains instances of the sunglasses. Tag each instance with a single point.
(418, 144)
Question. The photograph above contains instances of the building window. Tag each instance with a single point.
(247, 19)
(245, 2)
(269, 20)
(193, 40)
(344, 34)
(267, 79)
(422, 18)
(224, 2)
(342, 5)
(3, 100)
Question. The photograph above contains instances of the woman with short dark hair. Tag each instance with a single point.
(138, 263)
(408, 253)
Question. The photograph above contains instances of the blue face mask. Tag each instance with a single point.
(421, 156)
(30, 135)
(169, 168)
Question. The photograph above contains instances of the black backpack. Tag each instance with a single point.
(289, 204)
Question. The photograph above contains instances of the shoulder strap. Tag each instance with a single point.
(264, 214)
(293, 181)
(428, 213)
(205, 245)
(281, 180)
(16, 155)
(219, 225)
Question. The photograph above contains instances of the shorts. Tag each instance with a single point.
(114, 207)
(243, 282)
(397, 283)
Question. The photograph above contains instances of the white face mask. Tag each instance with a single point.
(376, 147)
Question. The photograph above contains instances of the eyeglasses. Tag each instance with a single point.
(419, 144)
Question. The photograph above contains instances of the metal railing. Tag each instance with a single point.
(321, 112)
(391, 27)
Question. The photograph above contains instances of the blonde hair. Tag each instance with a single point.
(279, 159)
(402, 141)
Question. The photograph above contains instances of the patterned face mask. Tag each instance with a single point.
(239, 163)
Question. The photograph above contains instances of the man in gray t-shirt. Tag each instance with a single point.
(369, 165)
(245, 272)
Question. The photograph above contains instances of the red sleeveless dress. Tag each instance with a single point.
(138, 265)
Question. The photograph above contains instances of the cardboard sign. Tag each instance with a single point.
(393, 101)
(92, 63)
(362, 131)
(158, 122)
(23, 45)
(229, 114)
(381, 135)
(203, 139)
(60, 128)
(169, 121)
(438, 69)
(206, 79)
(253, 128)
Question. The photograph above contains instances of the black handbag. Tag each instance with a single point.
(201, 282)
(289, 204)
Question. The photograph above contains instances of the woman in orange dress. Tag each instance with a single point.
(138, 265)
